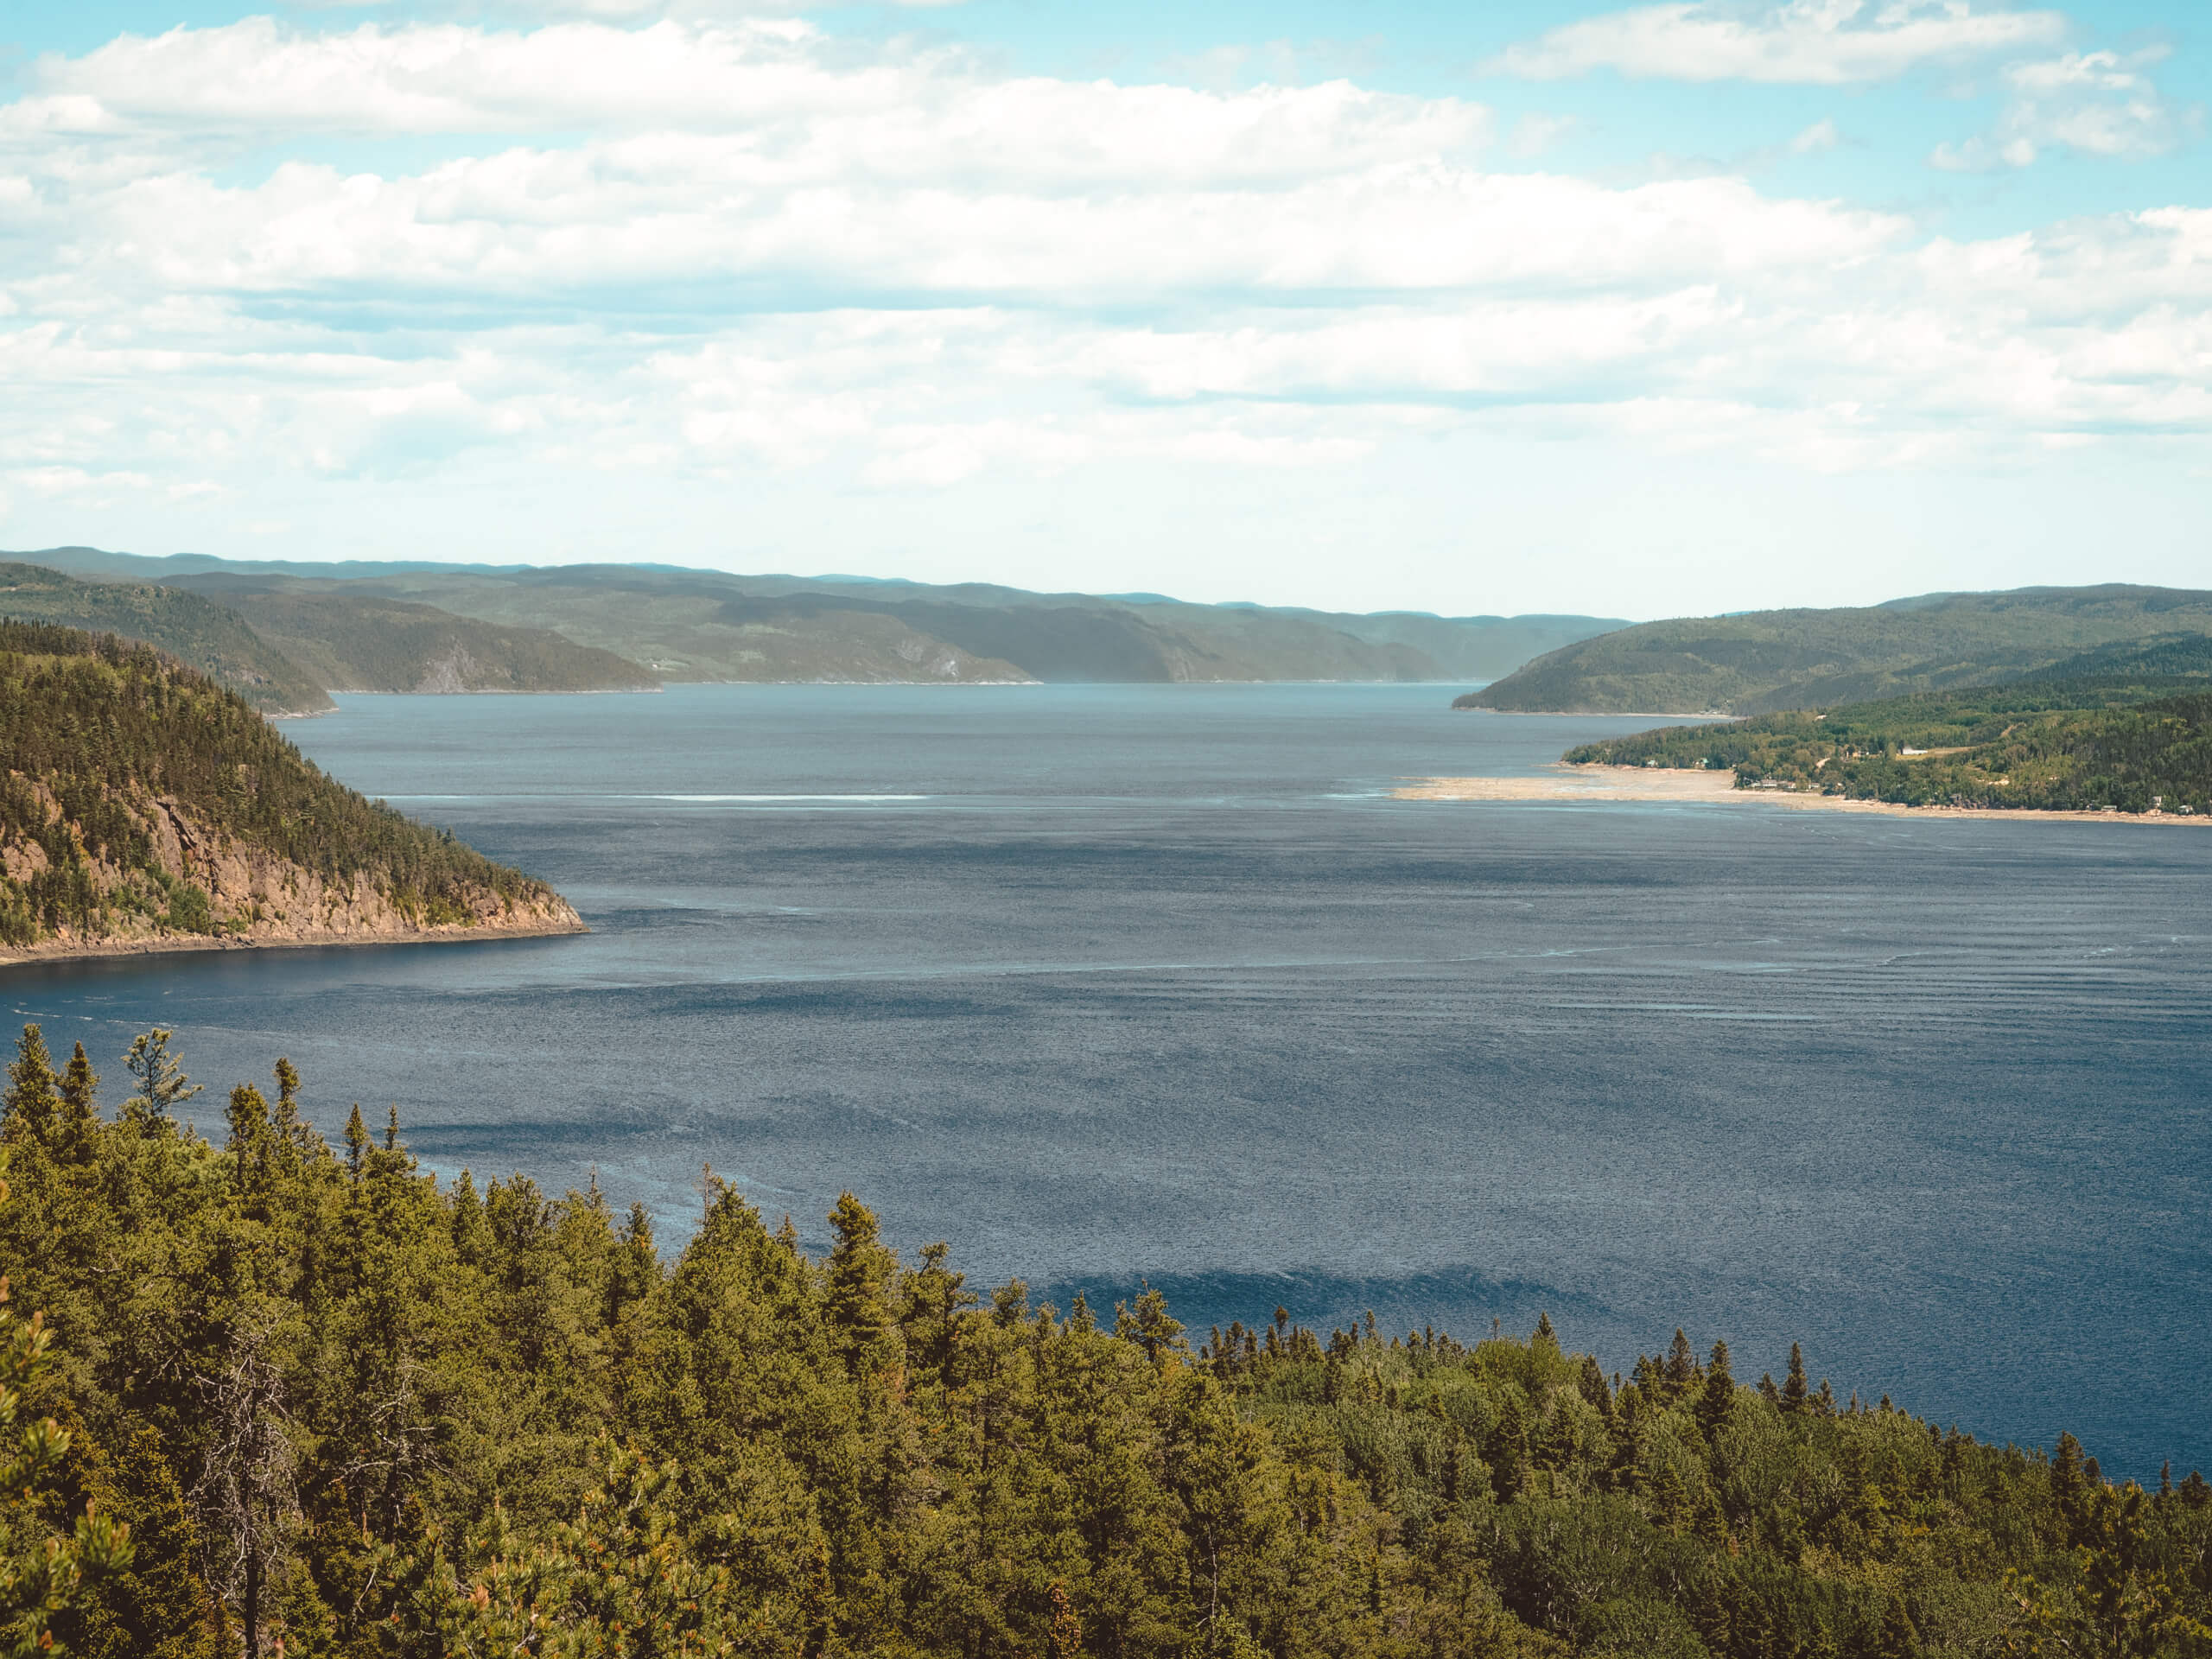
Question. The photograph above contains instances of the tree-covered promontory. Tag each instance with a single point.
(343, 1405)
(141, 804)
(2126, 730)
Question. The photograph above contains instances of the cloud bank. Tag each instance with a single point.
(730, 249)
(1803, 42)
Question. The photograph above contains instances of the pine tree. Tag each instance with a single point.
(1681, 1366)
(248, 1117)
(1507, 1451)
(78, 1122)
(859, 1270)
(34, 1103)
(357, 1143)
(1795, 1397)
(1590, 1383)
(162, 1086)
(1718, 1398)
(2069, 1486)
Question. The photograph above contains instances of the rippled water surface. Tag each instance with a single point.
(1104, 982)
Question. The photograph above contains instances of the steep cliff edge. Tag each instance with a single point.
(144, 807)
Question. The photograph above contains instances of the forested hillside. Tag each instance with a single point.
(2125, 729)
(711, 624)
(340, 1403)
(362, 642)
(1761, 662)
(142, 803)
(192, 629)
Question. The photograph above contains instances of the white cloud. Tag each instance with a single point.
(1820, 137)
(1532, 135)
(2091, 103)
(773, 253)
(1816, 43)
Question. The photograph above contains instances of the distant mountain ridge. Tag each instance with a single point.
(1763, 662)
(365, 642)
(191, 628)
(690, 624)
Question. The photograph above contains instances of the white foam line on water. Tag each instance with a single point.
(769, 799)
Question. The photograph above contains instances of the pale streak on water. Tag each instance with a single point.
(1104, 982)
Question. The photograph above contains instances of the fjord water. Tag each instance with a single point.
(1104, 983)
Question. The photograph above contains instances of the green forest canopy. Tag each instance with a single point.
(105, 727)
(2128, 728)
(338, 1402)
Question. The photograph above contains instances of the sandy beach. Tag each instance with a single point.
(1652, 784)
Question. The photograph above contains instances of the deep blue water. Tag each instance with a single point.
(1103, 982)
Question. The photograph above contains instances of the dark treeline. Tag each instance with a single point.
(341, 1407)
(95, 731)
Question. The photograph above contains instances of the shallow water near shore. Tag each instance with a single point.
(1109, 983)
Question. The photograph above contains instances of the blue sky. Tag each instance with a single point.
(1637, 309)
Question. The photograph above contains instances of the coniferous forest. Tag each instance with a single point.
(280, 1396)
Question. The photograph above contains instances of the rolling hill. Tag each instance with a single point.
(1763, 661)
(365, 642)
(708, 625)
(188, 626)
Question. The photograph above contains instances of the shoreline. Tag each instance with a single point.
(1651, 785)
(444, 933)
(1704, 717)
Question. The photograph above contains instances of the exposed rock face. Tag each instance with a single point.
(253, 898)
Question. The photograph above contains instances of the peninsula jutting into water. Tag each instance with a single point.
(147, 807)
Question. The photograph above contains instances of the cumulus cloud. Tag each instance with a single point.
(772, 250)
(1813, 42)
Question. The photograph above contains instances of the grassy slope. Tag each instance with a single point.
(2129, 727)
(192, 629)
(1769, 660)
(97, 733)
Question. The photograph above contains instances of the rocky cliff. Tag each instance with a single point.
(144, 807)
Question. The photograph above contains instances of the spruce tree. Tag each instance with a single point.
(2069, 1486)
(34, 1101)
(357, 1143)
(77, 1121)
(1590, 1383)
(858, 1272)
(1795, 1395)
(1718, 1398)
